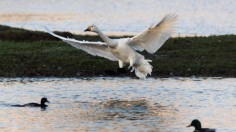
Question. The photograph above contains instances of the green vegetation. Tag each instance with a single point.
(27, 53)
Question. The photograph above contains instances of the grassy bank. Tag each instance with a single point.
(26, 53)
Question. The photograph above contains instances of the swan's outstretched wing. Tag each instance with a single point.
(93, 48)
(154, 37)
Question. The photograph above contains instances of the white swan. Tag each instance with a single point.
(123, 50)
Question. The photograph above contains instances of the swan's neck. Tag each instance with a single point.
(106, 39)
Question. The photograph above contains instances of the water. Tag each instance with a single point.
(118, 104)
(202, 17)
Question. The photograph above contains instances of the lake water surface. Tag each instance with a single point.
(118, 104)
(202, 17)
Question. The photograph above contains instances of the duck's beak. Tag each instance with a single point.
(88, 29)
(189, 125)
(47, 101)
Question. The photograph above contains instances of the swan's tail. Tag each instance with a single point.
(143, 69)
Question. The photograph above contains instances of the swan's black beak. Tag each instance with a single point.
(88, 29)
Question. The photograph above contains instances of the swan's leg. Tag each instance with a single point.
(121, 64)
(131, 62)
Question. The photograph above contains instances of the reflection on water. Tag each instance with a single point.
(131, 110)
(195, 17)
(118, 104)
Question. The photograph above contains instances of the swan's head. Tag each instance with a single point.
(91, 28)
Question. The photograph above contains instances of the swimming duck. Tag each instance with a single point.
(42, 104)
(198, 128)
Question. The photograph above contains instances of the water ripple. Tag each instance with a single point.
(122, 104)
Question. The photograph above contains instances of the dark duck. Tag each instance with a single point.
(198, 128)
(42, 104)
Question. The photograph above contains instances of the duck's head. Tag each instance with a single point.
(91, 28)
(195, 123)
(44, 100)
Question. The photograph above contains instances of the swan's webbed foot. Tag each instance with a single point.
(131, 68)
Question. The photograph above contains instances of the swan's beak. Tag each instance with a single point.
(189, 125)
(88, 29)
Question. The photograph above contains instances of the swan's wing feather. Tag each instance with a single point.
(154, 37)
(136, 47)
(93, 48)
